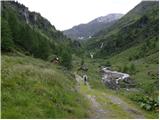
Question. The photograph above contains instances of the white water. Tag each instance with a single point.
(120, 75)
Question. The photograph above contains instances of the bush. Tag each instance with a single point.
(148, 103)
(130, 58)
(125, 69)
(145, 102)
(82, 62)
(132, 69)
(108, 64)
(66, 59)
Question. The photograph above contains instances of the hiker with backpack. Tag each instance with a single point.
(85, 78)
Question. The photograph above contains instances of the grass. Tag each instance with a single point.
(101, 97)
(145, 84)
(105, 103)
(33, 88)
(143, 66)
(93, 72)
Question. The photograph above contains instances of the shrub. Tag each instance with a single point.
(125, 69)
(145, 102)
(132, 69)
(66, 59)
(108, 64)
(130, 58)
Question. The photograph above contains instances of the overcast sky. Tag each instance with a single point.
(64, 14)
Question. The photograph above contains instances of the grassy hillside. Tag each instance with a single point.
(33, 88)
(144, 71)
(144, 94)
(131, 46)
(30, 33)
(138, 26)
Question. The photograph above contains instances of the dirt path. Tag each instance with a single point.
(105, 105)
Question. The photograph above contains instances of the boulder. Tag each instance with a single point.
(116, 80)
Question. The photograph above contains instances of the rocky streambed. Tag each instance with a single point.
(115, 79)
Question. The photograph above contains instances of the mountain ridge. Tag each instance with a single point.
(137, 19)
(85, 31)
(32, 34)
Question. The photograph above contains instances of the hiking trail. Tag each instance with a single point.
(105, 105)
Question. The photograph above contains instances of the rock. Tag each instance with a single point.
(116, 80)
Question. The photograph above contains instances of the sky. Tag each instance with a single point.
(65, 14)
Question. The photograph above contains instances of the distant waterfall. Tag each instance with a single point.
(101, 46)
(91, 55)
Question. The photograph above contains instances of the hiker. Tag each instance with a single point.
(85, 79)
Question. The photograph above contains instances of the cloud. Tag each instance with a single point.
(66, 13)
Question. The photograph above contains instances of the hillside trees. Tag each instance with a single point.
(125, 33)
(19, 35)
(65, 54)
(66, 59)
(6, 42)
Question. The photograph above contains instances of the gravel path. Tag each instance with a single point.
(97, 108)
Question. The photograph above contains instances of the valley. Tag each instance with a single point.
(43, 69)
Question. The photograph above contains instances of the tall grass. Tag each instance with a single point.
(32, 88)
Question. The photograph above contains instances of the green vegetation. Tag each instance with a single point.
(33, 88)
(7, 43)
(32, 39)
(143, 71)
(66, 59)
(133, 29)
(146, 102)
(93, 73)
(112, 102)
(131, 45)
(135, 98)
(117, 112)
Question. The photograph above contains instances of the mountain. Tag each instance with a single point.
(138, 26)
(131, 46)
(31, 34)
(35, 84)
(85, 31)
(32, 86)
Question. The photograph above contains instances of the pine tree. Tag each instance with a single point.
(66, 59)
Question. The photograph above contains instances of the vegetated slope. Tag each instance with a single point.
(85, 31)
(131, 46)
(33, 88)
(138, 26)
(144, 84)
(144, 71)
(30, 33)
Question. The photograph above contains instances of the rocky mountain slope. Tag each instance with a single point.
(85, 31)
